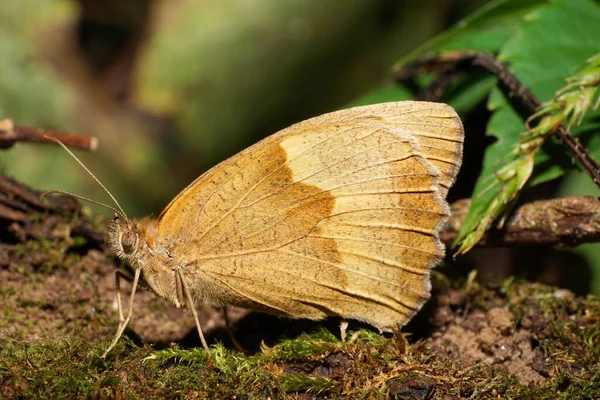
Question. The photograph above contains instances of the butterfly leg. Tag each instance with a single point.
(343, 327)
(122, 320)
(236, 344)
(190, 302)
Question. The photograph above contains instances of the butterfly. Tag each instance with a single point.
(338, 215)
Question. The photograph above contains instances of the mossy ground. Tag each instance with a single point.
(516, 340)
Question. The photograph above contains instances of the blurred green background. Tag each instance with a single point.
(172, 87)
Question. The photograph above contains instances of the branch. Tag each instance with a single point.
(567, 221)
(11, 134)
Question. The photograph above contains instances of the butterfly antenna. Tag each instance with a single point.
(49, 192)
(118, 210)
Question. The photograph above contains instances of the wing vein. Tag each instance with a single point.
(389, 263)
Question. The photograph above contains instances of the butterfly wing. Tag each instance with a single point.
(336, 215)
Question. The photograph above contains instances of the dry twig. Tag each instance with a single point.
(11, 134)
(567, 221)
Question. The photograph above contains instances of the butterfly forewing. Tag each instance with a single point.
(337, 215)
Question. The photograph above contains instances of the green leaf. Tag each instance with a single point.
(554, 43)
(505, 124)
(486, 30)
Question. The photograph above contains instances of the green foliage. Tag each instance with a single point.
(485, 30)
(551, 47)
(506, 174)
(543, 58)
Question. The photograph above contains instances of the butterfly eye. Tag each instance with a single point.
(128, 241)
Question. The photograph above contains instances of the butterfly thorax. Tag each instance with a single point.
(137, 242)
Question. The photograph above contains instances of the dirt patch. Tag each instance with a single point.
(490, 337)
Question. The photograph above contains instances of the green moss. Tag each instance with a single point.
(175, 355)
(308, 384)
(304, 346)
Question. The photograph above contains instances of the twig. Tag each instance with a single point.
(567, 221)
(440, 83)
(522, 99)
(11, 134)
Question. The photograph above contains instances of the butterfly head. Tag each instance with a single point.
(123, 237)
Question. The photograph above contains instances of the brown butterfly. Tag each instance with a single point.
(338, 215)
